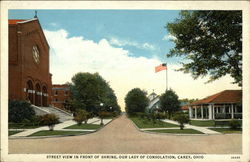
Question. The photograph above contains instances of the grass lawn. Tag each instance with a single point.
(202, 123)
(56, 132)
(84, 126)
(227, 130)
(14, 132)
(22, 126)
(177, 131)
(145, 123)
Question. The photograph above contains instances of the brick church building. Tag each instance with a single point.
(29, 73)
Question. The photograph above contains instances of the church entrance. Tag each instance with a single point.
(44, 96)
(29, 92)
(38, 99)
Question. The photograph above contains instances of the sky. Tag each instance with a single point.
(123, 46)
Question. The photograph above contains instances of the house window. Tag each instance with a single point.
(56, 93)
(56, 99)
(66, 93)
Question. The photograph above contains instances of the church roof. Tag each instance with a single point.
(226, 96)
(20, 21)
(15, 21)
(23, 21)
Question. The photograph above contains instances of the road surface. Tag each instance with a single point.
(121, 137)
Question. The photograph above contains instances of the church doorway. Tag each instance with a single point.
(29, 92)
(45, 96)
(38, 99)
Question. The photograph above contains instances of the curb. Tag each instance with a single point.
(56, 136)
(173, 134)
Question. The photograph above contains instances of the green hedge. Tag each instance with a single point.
(20, 111)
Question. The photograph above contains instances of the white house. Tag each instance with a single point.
(154, 102)
(223, 105)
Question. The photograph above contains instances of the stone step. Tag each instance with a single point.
(63, 116)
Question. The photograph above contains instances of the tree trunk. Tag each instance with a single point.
(101, 121)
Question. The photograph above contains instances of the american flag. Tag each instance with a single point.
(160, 67)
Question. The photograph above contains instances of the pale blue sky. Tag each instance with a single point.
(140, 31)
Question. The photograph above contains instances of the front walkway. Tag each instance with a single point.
(60, 127)
(201, 129)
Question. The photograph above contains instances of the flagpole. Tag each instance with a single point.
(166, 77)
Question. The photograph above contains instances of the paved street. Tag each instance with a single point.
(121, 137)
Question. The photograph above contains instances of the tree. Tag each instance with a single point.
(211, 41)
(181, 118)
(81, 116)
(50, 120)
(20, 111)
(169, 102)
(89, 90)
(136, 101)
(187, 101)
(104, 114)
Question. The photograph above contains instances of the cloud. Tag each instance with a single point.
(53, 24)
(169, 37)
(70, 55)
(123, 42)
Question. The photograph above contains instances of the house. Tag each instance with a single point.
(154, 102)
(184, 107)
(223, 105)
(60, 95)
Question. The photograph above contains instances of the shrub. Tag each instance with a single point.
(181, 119)
(140, 114)
(50, 120)
(234, 124)
(104, 114)
(160, 116)
(81, 115)
(115, 113)
(19, 111)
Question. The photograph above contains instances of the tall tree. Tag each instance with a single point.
(211, 41)
(136, 101)
(89, 90)
(169, 102)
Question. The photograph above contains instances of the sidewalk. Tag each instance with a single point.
(201, 129)
(60, 127)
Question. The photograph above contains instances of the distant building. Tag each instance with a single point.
(60, 95)
(154, 102)
(184, 106)
(223, 105)
(29, 73)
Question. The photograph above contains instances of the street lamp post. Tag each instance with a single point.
(100, 113)
(101, 105)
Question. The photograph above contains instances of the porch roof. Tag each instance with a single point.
(226, 96)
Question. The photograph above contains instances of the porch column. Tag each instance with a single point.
(201, 111)
(213, 112)
(210, 112)
(195, 112)
(232, 111)
(190, 112)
